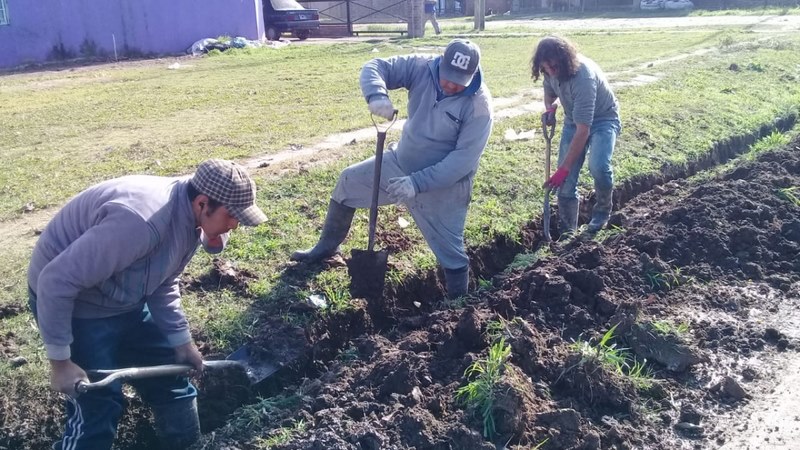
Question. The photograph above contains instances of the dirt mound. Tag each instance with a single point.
(674, 284)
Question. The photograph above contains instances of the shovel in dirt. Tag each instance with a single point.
(367, 268)
(547, 132)
(238, 360)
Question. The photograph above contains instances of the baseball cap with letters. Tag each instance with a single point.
(460, 62)
(231, 185)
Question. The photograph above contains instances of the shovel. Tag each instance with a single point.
(240, 359)
(367, 268)
(548, 138)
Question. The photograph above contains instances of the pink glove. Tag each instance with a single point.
(558, 178)
(549, 116)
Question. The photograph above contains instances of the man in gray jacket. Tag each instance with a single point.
(103, 286)
(432, 168)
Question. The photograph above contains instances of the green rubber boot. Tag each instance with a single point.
(337, 224)
(567, 215)
(601, 211)
(457, 281)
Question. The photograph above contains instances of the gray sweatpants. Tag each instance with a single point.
(440, 214)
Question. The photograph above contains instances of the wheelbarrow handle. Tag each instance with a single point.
(136, 373)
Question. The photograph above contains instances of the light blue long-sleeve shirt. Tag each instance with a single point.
(112, 248)
(444, 136)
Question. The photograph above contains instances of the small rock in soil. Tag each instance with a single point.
(730, 388)
(17, 361)
(690, 428)
(749, 374)
(416, 395)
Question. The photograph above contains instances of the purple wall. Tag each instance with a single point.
(44, 30)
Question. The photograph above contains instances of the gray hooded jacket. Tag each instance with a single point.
(444, 136)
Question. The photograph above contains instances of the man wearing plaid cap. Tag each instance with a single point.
(431, 170)
(103, 286)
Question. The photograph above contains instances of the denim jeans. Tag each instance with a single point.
(125, 340)
(599, 147)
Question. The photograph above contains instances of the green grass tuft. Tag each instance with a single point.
(480, 393)
(790, 194)
(668, 327)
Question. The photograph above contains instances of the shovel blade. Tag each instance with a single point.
(367, 271)
(257, 370)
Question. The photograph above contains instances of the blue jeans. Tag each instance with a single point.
(126, 340)
(600, 148)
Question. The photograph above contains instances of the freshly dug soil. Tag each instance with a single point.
(720, 255)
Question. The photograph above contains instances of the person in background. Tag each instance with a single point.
(103, 287)
(430, 14)
(591, 124)
(433, 167)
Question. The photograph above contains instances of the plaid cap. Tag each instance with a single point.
(229, 184)
(460, 62)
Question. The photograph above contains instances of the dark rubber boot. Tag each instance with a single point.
(177, 425)
(457, 281)
(601, 211)
(567, 215)
(337, 224)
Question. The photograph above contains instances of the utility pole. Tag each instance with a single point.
(480, 15)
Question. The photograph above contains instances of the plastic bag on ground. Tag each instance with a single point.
(201, 46)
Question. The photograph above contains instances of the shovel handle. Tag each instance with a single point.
(385, 126)
(548, 132)
(376, 184)
(376, 179)
(135, 373)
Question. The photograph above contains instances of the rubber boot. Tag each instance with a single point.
(177, 424)
(601, 211)
(457, 281)
(567, 215)
(337, 224)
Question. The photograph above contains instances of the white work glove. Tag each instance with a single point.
(401, 189)
(380, 105)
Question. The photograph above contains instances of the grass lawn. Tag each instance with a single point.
(71, 128)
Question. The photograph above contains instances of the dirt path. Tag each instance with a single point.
(757, 23)
(772, 420)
